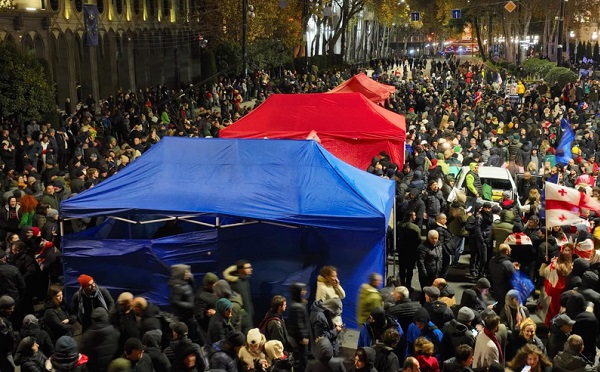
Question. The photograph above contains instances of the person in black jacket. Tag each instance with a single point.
(7, 334)
(149, 315)
(220, 323)
(404, 309)
(181, 298)
(32, 328)
(457, 332)
(134, 352)
(298, 324)
(321, 322)
(57, 319)
(100, 342)
(386, 359)
(123, 318)
(408, 239)
(586, 324)
(28, 356)
(501, 271)
(439, 312)
(152, 341)
(205, 302)
(461, 361)
(324, 360)
(429, 262)
(273, 326)
(89, 297)
(560, 330)
(22, 258)
(11, 281)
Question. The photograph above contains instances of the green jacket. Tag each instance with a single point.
(368, 299)
(502, 229)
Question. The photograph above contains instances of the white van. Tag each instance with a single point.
(499, 178)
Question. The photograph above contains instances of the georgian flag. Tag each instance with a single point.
(563, 205)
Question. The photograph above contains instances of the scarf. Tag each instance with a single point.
(492, 336)
(91, 297)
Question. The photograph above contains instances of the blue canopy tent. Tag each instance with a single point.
(289, 207)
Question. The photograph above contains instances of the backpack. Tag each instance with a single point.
(206, 353)
(470, 224)
(166, 319)
(265, 323)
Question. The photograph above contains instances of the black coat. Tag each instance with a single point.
(101, 344)
(298, 323)
(321, 324)
(89, 304)
(429, 262)
(52, 319)
(218, 328)
(41, 337)
(501, 271)
(11, 281)
(404, 311)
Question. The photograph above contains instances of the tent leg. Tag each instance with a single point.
(394, 237)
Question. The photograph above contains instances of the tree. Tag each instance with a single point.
(25, 89)
(588, 50)
(596, 52)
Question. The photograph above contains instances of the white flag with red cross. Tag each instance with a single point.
(564, 204)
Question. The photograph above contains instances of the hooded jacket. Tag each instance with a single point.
(502, 229)
(586, 324)
(439, 312)
(501, 271)
(321, 322)
(298, 323)
(385, 359)
(368, 299)
(556, 340)
(239, 317)
(567, 361)
(370, 362)
(240, 285)
(371, 332)
(181, 295)
(100, 342)
(41, 337)
(455, 333)
(26, 359)
(152, 340)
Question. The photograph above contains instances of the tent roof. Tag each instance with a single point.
(294, 116)
(368, 87)
(295, 182)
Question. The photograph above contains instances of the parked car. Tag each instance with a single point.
(499, 178)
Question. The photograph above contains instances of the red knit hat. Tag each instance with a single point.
(36, 231)
(84, 280)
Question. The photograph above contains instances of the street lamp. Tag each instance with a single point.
(247, 11)
(561, 20)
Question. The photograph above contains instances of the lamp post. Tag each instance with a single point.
(244, 35)
(247, 11)
(561, 20)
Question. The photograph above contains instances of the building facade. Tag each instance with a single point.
(141, 43)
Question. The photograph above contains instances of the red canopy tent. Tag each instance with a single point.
(350, 126)
(369, 88)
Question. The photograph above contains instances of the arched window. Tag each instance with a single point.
(79, 5)
(136, 6)
(166, 8)
(100, 6)
(151, 6)
(54, 4)
(119, 6)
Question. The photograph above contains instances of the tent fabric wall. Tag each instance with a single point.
(335, 215)
(279, 255)
(350, 126)
(361, 83)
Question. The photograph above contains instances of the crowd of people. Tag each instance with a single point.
(458, 113)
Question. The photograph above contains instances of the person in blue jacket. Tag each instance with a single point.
(423, 327)
(376, 324)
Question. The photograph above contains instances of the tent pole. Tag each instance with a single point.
(394, 237)
(62, 228)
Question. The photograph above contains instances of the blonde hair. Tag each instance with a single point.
(526, 323)
(424, 346)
